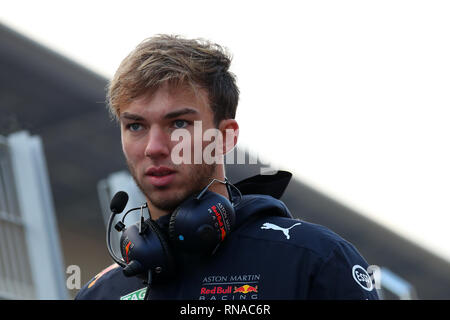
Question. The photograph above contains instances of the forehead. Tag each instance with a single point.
(168, 98)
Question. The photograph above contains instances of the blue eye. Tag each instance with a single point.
(133, 126)
(180, 124)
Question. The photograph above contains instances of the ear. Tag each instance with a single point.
(230, 132)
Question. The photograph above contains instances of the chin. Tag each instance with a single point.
(165, 204)
(167, 200)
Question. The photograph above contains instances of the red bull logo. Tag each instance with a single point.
(216, 290)
(245, 289)
(230, 287)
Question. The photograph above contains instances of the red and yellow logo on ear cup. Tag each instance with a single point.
(127, 249)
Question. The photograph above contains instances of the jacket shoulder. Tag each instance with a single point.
(96, 281)
(335, 267)
(109, 284)
(266, 218)
(293, 232)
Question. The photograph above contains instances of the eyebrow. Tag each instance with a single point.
(131, 116)
(170, 115)
(181, 112)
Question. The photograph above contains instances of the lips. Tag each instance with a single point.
(160, 176)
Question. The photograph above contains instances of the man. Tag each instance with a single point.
(168, 84)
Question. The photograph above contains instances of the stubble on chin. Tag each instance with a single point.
(197, 178)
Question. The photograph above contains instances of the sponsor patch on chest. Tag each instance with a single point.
(230, 287)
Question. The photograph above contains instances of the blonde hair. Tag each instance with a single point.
(178, 61)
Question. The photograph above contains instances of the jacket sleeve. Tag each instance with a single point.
(343, 276)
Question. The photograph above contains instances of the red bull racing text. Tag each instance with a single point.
(234, 287)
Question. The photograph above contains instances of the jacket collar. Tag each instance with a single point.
(260, 196)
(271, 185)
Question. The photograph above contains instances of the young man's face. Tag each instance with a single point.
(146, 128)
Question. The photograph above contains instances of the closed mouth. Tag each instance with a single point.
(159, 171)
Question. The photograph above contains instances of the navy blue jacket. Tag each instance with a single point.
(269, 256)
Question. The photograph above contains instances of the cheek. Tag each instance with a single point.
(125, 146)
(130, 150)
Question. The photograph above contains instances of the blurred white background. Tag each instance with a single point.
(351, 96)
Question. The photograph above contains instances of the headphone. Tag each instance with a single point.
(197, 226)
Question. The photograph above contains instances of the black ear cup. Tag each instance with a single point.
(146, 251)
(197, 226)
(200, 225)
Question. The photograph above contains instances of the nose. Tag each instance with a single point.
(158, 143)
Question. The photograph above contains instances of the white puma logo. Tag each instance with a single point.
(275, 227)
